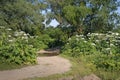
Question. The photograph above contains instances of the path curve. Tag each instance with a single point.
(46, 66)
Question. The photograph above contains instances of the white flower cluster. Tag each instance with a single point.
(21, 34)
(12, 36)
(111, 39)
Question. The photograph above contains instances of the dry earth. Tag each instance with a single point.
(46, 66)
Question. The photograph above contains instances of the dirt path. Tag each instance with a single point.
(46, 66)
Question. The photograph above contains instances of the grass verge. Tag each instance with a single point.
(10, 66)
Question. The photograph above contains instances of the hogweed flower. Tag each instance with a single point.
(31, 45)
(69, 39)
(107, 49)
(93, 44)
(9, 29)
(82, 38)
(21, 32)
(77, 39)
(116, 34)
(96, 34)
(77, 35)
(111, 44)
(9, 36)
(81, 35)
(67, 43)
(10, 40)
(97, 40)
(24, 37)
(25, 34)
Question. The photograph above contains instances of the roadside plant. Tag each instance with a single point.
(14, 47)
(105, 49)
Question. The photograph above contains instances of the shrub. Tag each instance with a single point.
(77, 46)
(18, 52)
(107, 62)
(41, 41)
(14, 47)
(104, 47)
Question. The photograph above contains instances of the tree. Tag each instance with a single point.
(22, 15)
(85, 15)
(102, 12)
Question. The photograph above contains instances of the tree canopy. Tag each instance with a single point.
(86, 15)
(22, 15)
(83, 15)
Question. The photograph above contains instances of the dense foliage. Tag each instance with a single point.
(14, 47)
(22, 15)
(20, 31)
(58, 35)
(20, 47)
(104, 47)
(84, 30)
(86, 15)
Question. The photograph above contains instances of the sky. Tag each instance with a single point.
(118, 10)
(54, 23)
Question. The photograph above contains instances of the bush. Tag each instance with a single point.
(18, 52)
(40, 42)
(14, 47)
(77, 46)
(20, 47)
(58, 35)
(107, 62)
(104, 47)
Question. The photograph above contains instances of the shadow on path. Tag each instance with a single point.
(50, 52)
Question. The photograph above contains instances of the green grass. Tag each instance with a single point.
(102, 73)
(10, 66)
(108, 75)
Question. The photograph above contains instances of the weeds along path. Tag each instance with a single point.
(46, 66)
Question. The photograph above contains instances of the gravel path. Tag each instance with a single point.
(46, 66)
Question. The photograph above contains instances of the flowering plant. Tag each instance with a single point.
(105, 49)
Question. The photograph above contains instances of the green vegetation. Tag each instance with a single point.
(21, 15)
(14, 48)
(10, 66)
(100, 52)
(86, 15)
(88, 34)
